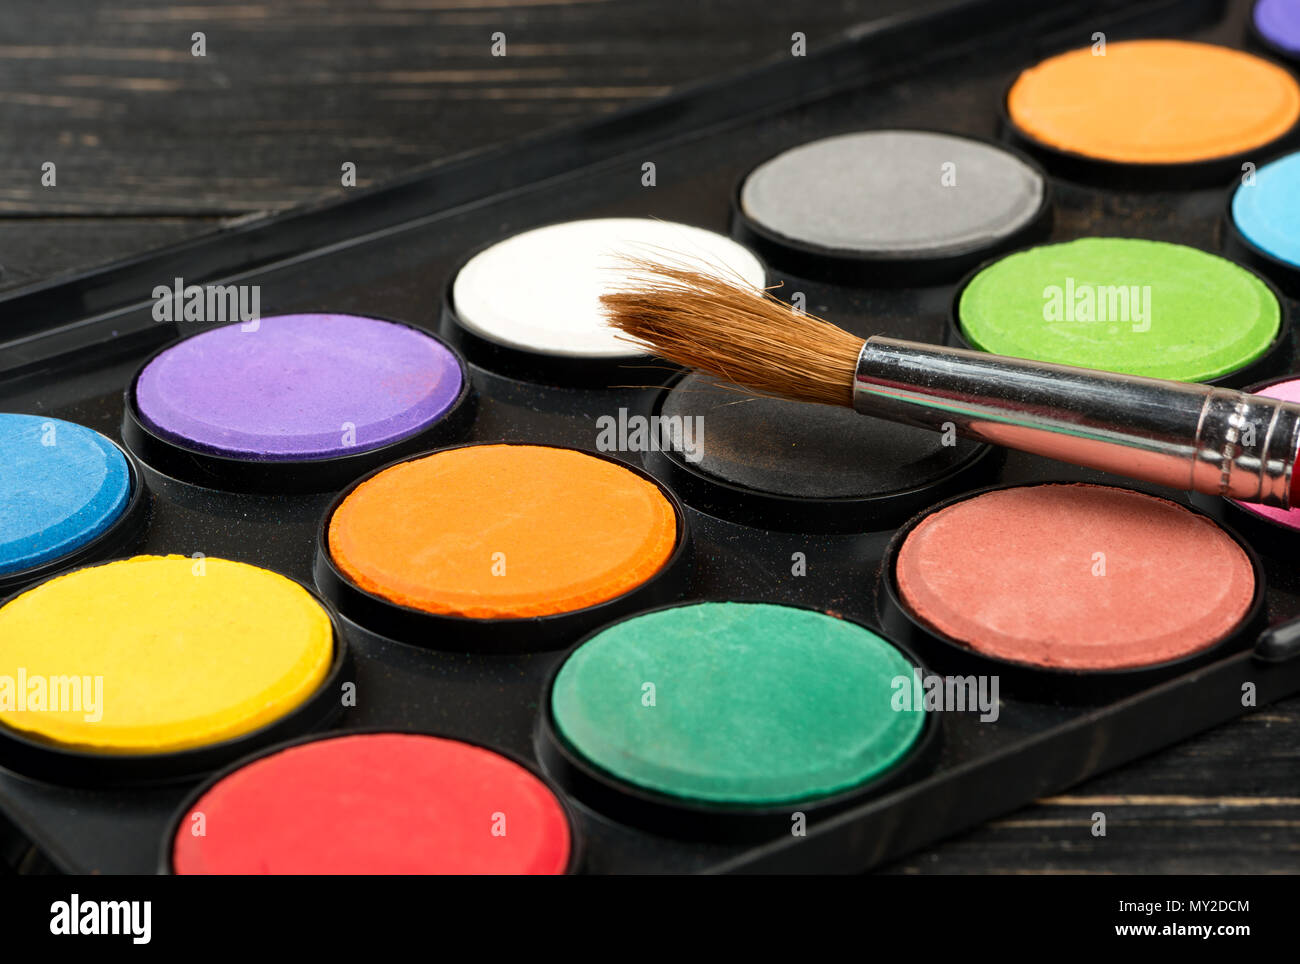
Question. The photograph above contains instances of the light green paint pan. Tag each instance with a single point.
(1123, 305)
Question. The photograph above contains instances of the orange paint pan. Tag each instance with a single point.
(459, 548)
(1154, 103)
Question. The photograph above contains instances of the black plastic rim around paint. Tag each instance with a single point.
(1045, 684)
(1270, 537)
(289, 476)
(1262, 45)
(1267, 364)
(1097, 172)
(125, 533)
(543, 368)
(525, 634)
(56, 764)
(684, 818)
(577, 843)
(907, 269)
(787, 513)
(1237, 247)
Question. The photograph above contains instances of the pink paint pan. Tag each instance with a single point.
(1070, 592)
(1273, 531)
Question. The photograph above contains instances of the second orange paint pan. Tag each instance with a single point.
(1167, 106)
(453, 548)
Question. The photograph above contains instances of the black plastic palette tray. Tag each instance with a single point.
(73, 346)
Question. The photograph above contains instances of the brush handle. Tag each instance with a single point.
(1186, 436)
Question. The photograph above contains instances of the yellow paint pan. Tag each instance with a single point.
(160, 655)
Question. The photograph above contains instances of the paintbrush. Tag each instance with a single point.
(1188, 436)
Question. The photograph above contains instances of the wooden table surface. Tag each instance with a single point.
(152, 145)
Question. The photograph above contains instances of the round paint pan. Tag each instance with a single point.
(1163, 114)
(720, 749)
(303, 403)
(891, 207)
(104, 514)
(1274, 27)
(1014, 288)
(1274, 532)
(194, 744)
(1261, 222)
(528, 306)
(792, 467)
(375, 801)
(514, 548)
(1019, 572)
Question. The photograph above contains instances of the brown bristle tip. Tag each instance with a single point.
(698, 317)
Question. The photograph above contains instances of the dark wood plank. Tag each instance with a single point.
(288, 92)
(1225, 802)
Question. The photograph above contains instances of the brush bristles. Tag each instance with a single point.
(701, 319)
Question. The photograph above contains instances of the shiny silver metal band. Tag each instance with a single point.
(1186, 436)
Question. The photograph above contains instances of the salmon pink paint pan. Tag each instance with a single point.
(1074, 577)
(375, 803)
(294, 402)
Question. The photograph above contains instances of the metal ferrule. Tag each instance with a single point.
(1186, 436)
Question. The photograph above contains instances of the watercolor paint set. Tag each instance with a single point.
(419, 568)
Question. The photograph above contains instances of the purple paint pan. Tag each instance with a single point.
(295, 402)
(1277, 25)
